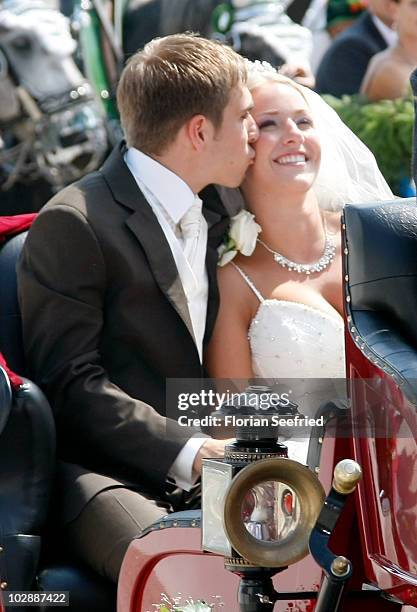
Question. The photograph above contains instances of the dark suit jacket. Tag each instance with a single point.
(344, 64)
(105, 323)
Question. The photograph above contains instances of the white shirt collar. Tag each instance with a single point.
(387, 33)
(173, 194)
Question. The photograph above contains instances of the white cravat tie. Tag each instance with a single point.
(190, 226)
(193, 240)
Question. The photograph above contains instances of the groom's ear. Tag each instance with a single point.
(199, 131)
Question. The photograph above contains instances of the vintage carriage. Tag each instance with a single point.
(374, 530)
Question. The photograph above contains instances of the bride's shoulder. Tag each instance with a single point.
(234, 289)
(229, 277)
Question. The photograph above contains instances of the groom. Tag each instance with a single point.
(118, 290)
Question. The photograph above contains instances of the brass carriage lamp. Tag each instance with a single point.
(261, 514)
(258, 506)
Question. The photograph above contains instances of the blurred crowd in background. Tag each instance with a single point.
(56, 116)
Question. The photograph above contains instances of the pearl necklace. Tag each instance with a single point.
(325, 260)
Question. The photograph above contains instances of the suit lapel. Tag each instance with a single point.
(218, 222)
(147, 230)
(145, 227)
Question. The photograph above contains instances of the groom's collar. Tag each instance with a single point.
(171, 192)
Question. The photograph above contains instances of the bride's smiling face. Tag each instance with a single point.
(288, 148)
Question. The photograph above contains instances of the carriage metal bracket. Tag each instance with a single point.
(337, 569)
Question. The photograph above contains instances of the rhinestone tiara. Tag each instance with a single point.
(258, 67)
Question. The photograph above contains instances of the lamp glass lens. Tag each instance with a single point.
(271, 511)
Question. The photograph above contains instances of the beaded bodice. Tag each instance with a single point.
(293, 340)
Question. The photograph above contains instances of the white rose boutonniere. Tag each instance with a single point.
(242, 237)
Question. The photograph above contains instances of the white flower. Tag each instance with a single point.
(225, 254)
(244, 232)
(242, 237)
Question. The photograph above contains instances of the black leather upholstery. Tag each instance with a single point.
(381, 264)
(27, 456)
(27, 466)
(11, 344)
(5, 398)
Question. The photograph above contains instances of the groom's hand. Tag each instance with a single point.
(213, 449)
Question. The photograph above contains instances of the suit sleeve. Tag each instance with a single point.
(343, 67)
(62, 289)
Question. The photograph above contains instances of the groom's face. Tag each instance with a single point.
(230, 149)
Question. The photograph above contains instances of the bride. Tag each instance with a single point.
(281, 306)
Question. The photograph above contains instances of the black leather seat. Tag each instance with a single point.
(27, 465)
(381, 285)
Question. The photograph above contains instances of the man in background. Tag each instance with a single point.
(344, 64)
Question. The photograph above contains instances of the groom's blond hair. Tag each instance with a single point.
(171, 80)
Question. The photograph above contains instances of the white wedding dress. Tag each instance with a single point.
(301, 348)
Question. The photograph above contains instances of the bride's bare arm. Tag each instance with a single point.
(228, 354)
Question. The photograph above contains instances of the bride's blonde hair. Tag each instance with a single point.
(257, 78)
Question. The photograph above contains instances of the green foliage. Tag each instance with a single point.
(386, 127)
